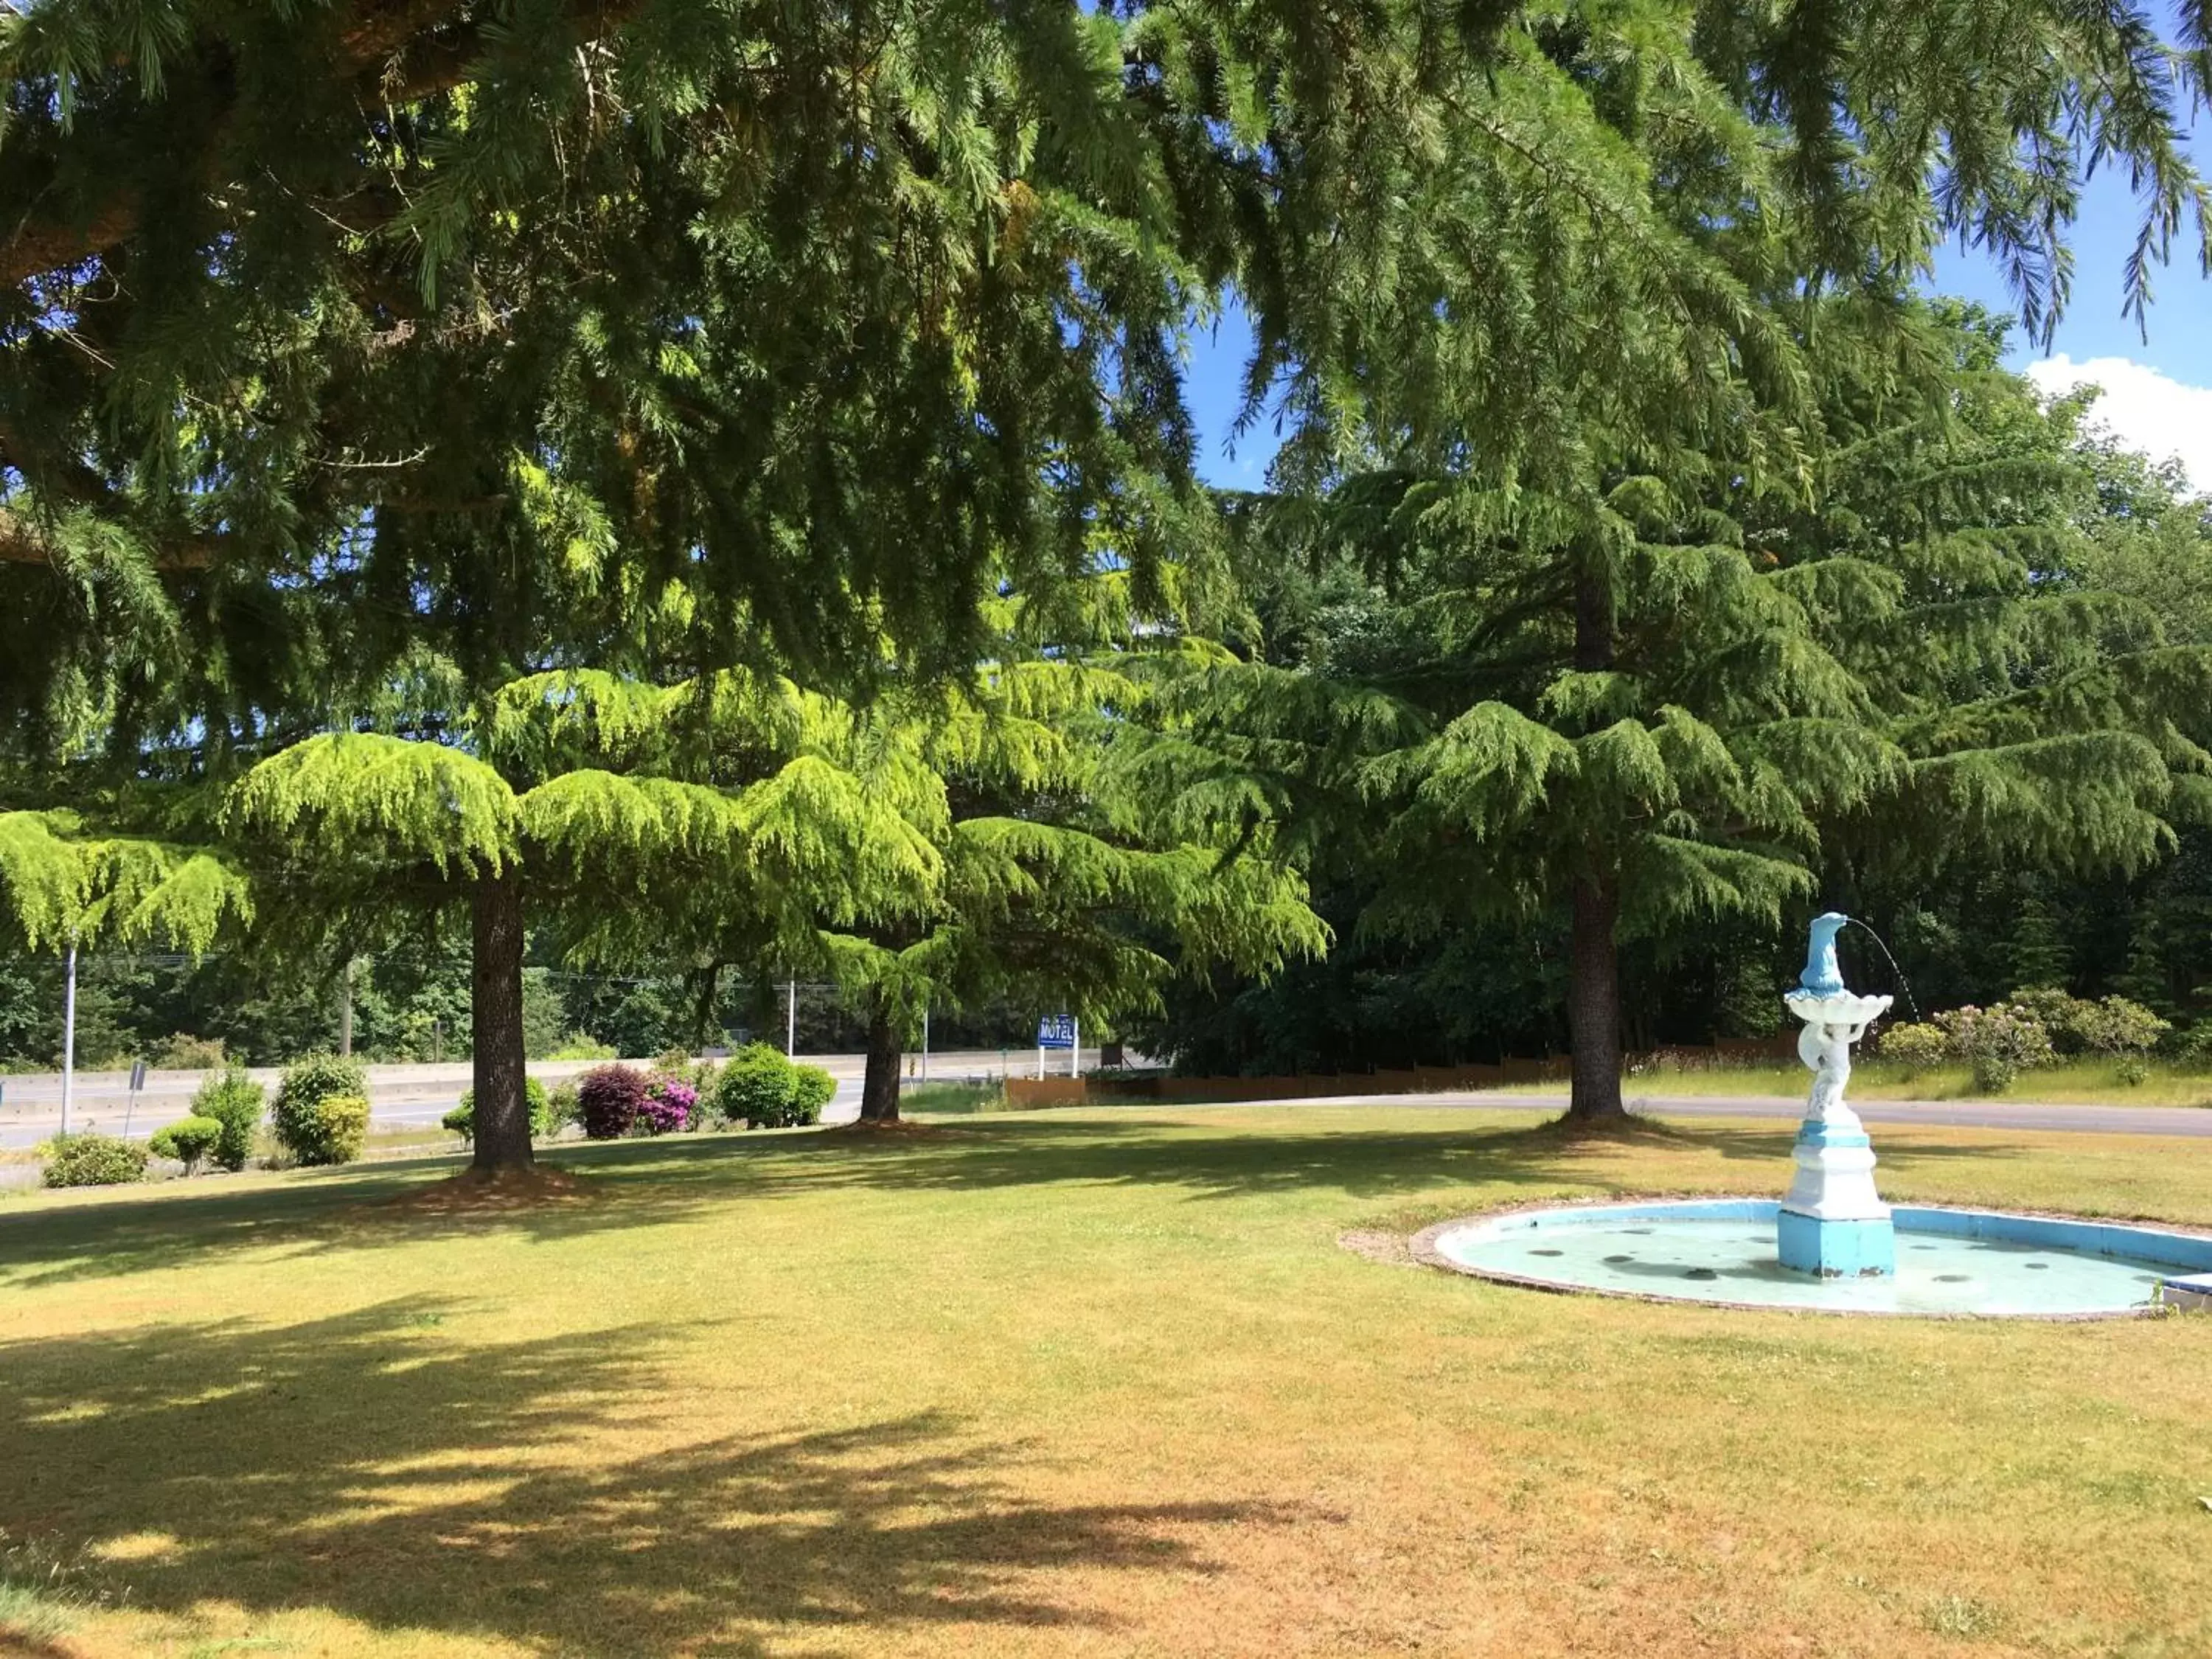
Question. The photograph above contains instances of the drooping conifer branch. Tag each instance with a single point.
(388, 51)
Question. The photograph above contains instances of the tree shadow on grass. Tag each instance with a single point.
(643, 1183)
(1237, 1160)
(374, 1464)
(135, 1229)
(1776, 1147)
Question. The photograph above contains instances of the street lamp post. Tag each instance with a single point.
(68, 1037)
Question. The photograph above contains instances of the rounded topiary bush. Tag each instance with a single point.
(462, 1119)
(322, 1110)
(189, 1140)
(754, 1087)
(608, 1100)
(759, 1087)
(299, 1119)
(811, 1088)
(341, 1129)
(90, 1160)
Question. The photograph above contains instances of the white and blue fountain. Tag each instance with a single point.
(1832, 1223)
(1831, 1244)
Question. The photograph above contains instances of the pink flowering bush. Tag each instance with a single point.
(670, 1104)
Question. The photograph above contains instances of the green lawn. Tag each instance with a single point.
(1067, 1383)
(952, 1099)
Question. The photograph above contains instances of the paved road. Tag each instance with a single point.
(400, 1096)
(2186, 1121)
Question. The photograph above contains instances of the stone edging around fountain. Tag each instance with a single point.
(1422, 1249)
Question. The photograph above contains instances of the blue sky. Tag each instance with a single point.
(2158, 389)
(2157, 392)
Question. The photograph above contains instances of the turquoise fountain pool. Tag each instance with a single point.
(1949, 1263)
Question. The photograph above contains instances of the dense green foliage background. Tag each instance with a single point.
(687, 490)
(2117, 546)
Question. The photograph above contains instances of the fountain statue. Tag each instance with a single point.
(1832, 1223)
(1836, 1239)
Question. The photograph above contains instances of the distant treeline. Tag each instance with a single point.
(413, 1006)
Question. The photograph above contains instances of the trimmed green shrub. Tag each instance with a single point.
(339, 1129)
(2123, 1031)
(462, 1119)
(90, 1160)
(322, 1110)
(313, 1079)
(759, 1087)
(189, 1140)
(607, 1100)
(753, 1086)
(811, 1088)
(562, 1107)
(237, 1101)
(1917, 1047)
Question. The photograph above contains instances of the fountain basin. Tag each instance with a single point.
(1951, 1263)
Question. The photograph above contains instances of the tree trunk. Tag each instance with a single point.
(707, 994)
(1593, 621)
(879, 1088)
(345, 1008)
(502, 1109)
(1594, 1003)
(1594, 962)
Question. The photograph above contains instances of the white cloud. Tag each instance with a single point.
(2150, 411)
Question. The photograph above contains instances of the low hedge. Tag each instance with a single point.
(761, 1087)
(93, 1160)
(312, 1134)
(189, 1140)
(331, 1129)
(462, 1119)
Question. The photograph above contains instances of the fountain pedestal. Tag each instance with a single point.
(1832, 1223)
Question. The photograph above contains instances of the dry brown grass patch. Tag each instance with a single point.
(1391, 1249)
(495, 1190)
